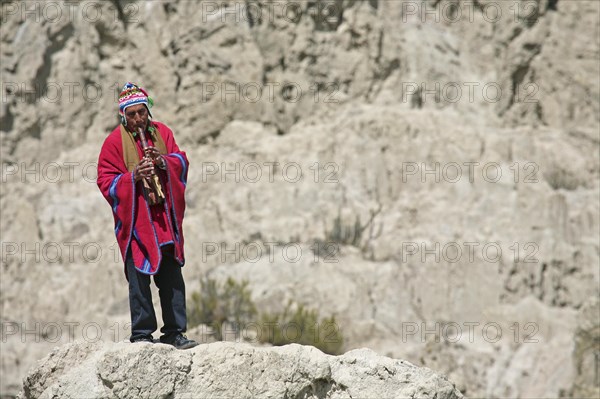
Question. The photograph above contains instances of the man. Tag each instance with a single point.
(142, 174)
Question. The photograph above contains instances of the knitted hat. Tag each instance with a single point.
(132, 94)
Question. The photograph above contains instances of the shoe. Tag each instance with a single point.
(179, 341)
(147, 338)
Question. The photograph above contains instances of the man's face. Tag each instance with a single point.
(136, 117)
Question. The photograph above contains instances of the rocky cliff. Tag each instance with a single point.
(426, 171)
(226, 370)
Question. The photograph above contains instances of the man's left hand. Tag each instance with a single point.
(154, 155)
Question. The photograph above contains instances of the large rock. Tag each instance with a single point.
(227, 370)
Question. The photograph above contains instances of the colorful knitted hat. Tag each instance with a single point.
(133, 94)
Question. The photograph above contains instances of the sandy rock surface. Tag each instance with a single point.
(226, 370)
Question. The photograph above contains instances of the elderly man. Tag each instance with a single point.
(142, 174)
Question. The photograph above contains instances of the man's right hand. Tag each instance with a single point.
(143, 170)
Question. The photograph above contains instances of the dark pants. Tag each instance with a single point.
(171, 289)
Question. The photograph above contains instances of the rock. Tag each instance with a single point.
(585, 354)
(226, 370)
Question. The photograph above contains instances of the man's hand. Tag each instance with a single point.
(154, 155)
(143, 170)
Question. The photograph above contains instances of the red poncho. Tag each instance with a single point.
(135, 228)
